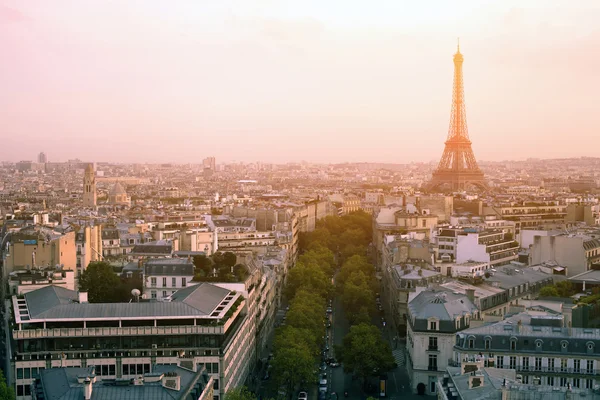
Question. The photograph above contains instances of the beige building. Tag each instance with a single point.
(118, 196)
(89, 187)
(40, 247)
(89, 245)
(21, 282)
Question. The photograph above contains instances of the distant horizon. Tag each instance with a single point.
(219, 162)
(284, 80)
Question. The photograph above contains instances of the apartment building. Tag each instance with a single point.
(493, 247)
(164, 276)
(88, 240)
(208, 324)
(538, 347)
(529, 214)
(434, 318)
(574, 251)
(38, 246)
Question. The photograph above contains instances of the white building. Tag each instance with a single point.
(164, 276)
(434, 317)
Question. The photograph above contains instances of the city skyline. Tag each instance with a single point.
(261, 80)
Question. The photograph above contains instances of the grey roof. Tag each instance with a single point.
(443, 305)
(201, 297)
(592, 276)
(527, 330)
(155, 248)
(62, 384)
(169, 267)
(510, 276)
(53, 303)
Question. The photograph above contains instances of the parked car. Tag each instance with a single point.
(323, 367)
(302, 396)
(334, 364)
(329, 310)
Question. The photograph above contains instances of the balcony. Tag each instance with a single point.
(113, 331)
(433, 348)
(558, 370)
(432, 368)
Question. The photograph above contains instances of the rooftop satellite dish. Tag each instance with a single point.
(136, 292)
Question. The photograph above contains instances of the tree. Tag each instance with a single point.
(549, 291)
(293, 359)
(6, 392)
(306, 312)
(101, 283)
(365, 353)
(309, 277)
(241, 393)
(202, 263)
(229, 259)
(356, 296)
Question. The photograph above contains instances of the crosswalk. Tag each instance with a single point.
(399, 356)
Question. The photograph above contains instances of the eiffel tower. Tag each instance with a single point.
(458, 168)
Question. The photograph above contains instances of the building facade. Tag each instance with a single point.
(89, 187)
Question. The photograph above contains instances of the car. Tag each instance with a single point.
(329, 310)
(302, 396)
(326, 348)
(328, 324)
(334, 364)
(323, 380)
(323, 395)
(323, 367)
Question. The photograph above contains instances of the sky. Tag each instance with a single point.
(291, 80)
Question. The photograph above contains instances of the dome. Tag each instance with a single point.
(117, 190)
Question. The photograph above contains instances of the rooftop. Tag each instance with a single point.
(53, 303)
(444, 305)
(68, 384)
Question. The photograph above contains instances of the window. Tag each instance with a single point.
(563, 382)
(216, 385)
(153, 294)
(551, 364)
(173, 282)
(590, 366)
(550, 381)
(215, 368)
(433, 344)
(432, 362)
(512, 362)
(538, 363)
(488, 344)
(164, 282)
(500, 361)
(513, 344)
(164, 294)
(153, 282)
(525, 363)
(183, 282)
(577, 366)
(433, 326)
(424, 223)
(576, 382)
(19, 373)
(563, 365)
(589, 384)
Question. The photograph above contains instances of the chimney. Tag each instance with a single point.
(420, 272)
(140, 263)
(519, 323)
(87, 389)
(418, 204)
(83, 298)
(470, 295)
(404, 201)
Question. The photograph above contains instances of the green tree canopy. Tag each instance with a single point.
(365, 353)
(549, 291)
(309, 277)
(306, 312)
(356, 296)
(241, 393)
(101, 283)
(6, 392)
(293, 359)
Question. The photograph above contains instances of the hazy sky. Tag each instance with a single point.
(279, 80)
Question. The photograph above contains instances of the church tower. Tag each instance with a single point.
(89, 187)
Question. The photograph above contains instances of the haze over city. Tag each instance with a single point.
(278, 81)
